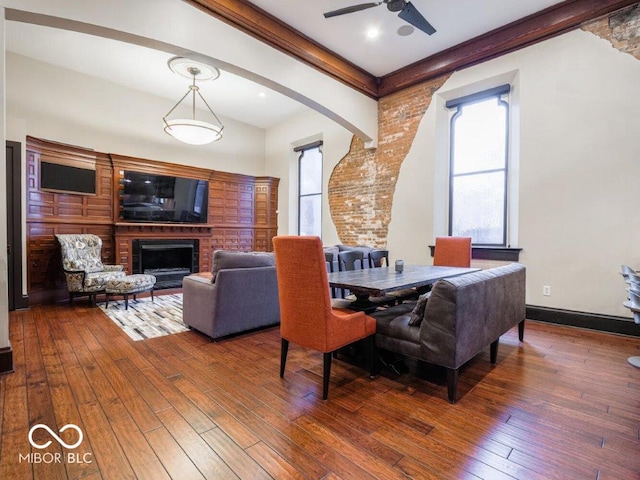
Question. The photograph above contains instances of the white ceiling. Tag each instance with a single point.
(455, 21)
(146, 70)
(240, 99)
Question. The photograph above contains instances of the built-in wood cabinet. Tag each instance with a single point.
(242, 213)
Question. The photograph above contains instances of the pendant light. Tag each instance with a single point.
(192, 130)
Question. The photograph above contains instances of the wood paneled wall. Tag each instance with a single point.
(242, 214)
(243, 211)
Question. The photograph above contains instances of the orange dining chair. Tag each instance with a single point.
(306, 315)
(452, 252)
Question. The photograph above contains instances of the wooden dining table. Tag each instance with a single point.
(380, 281)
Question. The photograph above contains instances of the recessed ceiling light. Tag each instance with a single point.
(405, 30)
(373, 33)
(262, 94)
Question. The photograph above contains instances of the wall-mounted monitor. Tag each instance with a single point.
(67, 179)
(146, 197)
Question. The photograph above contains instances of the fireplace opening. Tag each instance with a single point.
(169, 260)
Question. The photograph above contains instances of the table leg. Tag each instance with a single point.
(362, 302)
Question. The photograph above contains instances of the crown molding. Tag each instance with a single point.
(555, 20)
(534, 28)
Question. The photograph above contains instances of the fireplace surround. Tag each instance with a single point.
(169, 260)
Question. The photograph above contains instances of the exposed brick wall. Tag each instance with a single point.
(622, 29)
(362, 185)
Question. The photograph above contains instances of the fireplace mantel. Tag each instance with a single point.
(143, 228)
(126, 233)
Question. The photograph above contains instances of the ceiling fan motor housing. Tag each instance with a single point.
(395, 5)
(407, 12)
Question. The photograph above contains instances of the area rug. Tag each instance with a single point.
(146, 319)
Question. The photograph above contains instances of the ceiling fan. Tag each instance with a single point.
(408, 13)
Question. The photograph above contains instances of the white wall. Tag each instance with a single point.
(64, 106)
(579, 114)
(281, 161)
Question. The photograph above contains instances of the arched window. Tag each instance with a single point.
(478, 166)
(310, 189)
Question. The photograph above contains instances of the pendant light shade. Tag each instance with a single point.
(192, 130)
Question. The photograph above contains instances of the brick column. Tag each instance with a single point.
(362, 185)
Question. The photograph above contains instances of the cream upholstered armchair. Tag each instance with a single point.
(83, 267)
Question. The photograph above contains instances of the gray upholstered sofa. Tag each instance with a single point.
(462, 316)
(241, 295)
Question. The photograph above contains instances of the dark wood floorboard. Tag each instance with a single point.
(565, 404)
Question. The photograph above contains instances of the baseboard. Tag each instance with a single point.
(592, 321)
(6, 360)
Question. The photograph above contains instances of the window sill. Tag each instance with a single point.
(507, 254)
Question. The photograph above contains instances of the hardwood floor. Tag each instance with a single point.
(564, 404)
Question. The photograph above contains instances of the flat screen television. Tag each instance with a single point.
(64, 178)
(146, 197)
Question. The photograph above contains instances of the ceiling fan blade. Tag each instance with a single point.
(354, 8)
(410, 15)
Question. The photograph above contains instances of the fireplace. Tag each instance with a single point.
(169, 260)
